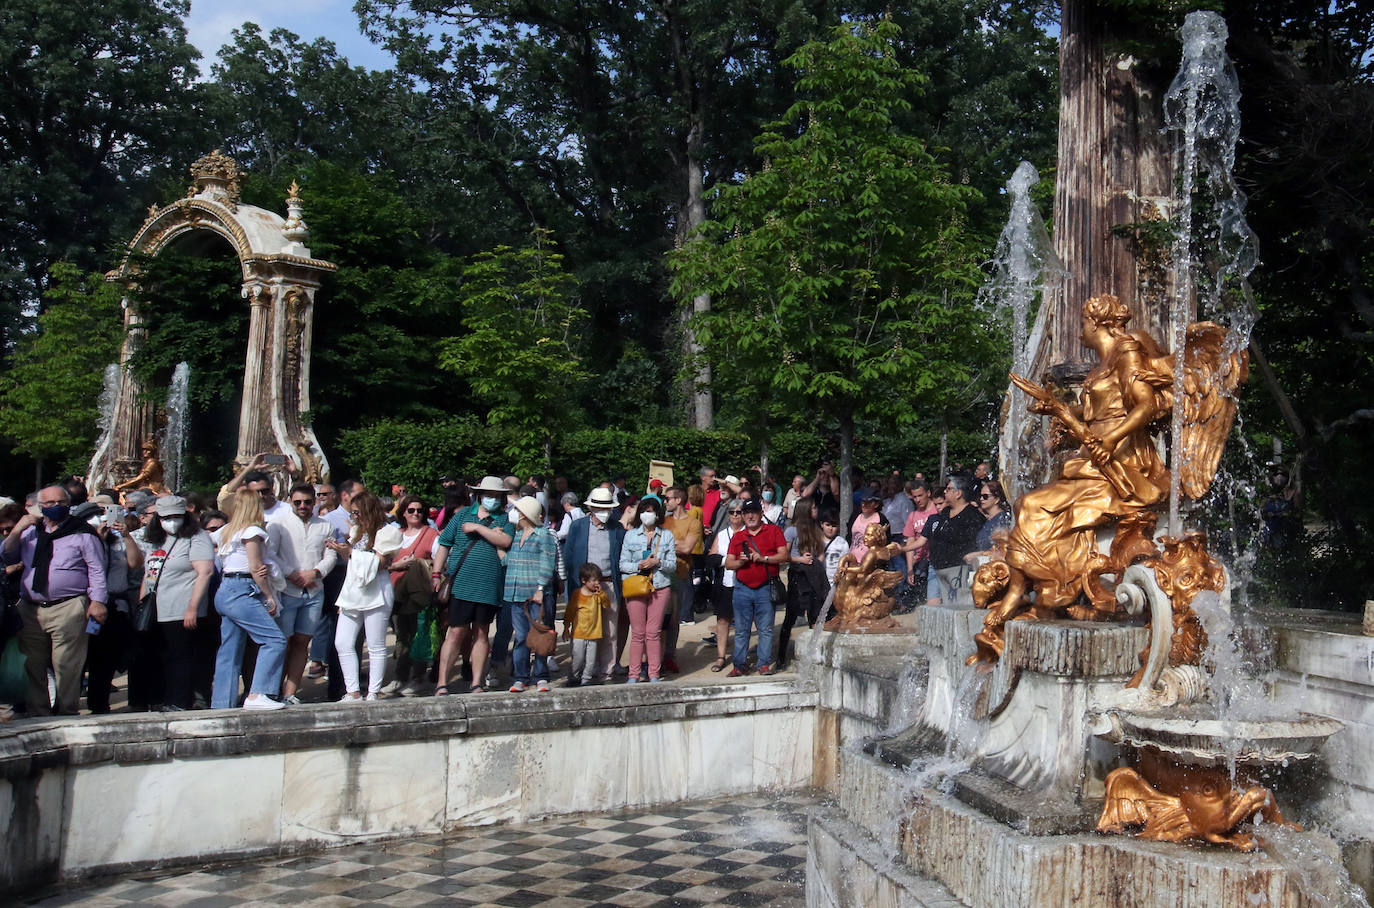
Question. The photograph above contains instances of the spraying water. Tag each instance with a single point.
(174, 435)
(1024, 255)
(105, 406)
(1214, 250)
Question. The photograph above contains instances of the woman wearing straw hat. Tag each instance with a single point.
(530, 567)
(469, 552)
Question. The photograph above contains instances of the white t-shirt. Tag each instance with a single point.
(722, 547)
(835, 549)
(233, 553)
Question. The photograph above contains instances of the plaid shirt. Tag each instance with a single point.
(530, 564)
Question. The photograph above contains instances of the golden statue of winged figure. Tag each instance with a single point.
(1117, 476)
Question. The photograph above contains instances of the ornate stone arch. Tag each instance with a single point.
(280, 279)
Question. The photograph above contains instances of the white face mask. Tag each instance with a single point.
(648, 518)
(491, 504)
(170, 525)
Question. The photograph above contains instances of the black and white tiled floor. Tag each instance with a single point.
(747, 851)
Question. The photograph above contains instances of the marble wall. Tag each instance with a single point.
(85, 797)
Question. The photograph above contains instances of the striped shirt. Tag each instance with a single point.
(530, 563)
(480, 579)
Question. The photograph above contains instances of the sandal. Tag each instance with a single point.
(441, 690)
(718, 665)
(477, 689)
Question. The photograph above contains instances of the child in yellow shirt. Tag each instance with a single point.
(582, 623)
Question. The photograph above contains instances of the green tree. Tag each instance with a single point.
(842, 257)
(94, 98)
(48, 396)
(519, 353)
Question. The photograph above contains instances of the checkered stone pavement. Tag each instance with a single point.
(747, 851)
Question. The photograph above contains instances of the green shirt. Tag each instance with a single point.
(482, 576)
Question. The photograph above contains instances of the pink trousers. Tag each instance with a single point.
(646, 631)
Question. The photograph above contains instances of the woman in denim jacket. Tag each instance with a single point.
(648, 549)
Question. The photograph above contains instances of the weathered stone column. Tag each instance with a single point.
(255, 434)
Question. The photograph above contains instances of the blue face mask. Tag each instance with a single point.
(57, 512)
(767, 496)
(490, 503)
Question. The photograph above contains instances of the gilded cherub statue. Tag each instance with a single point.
(1118, 475)
(151, 475)
(863, 591)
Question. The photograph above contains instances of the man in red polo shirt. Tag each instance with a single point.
(754, 556)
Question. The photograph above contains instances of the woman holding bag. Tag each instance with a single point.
(530, 566)
(648, 561)
(410, 580)
(366, 598)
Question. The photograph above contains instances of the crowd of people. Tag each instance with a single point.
(238, 601)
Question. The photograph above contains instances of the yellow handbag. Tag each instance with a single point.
(636, 586)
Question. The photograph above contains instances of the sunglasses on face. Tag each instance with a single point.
(303, 502)
(415, 510)
(321, 494)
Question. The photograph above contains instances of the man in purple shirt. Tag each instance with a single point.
(63, 587)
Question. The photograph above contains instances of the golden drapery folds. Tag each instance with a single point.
(1117, 477)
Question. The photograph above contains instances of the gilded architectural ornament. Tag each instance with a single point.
(863, 590)
(1117, 477)
(1166, 801)
(217, 175)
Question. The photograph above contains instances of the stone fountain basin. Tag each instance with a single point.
(1203, 740)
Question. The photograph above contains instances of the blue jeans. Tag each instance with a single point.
(753, 607)
(520, 653)
(245, 616)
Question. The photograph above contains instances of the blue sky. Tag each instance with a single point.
(211, 21)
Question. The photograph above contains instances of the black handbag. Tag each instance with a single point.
(143, 613)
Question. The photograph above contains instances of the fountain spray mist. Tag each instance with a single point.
(174, 435)
(1024, 256)
(1214, 249)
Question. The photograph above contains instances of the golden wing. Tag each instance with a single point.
(1212, 375)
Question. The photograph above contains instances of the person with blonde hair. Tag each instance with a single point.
(247, 603)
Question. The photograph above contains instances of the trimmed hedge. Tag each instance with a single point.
(417, 454)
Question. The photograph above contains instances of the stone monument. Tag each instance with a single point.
(280, 280)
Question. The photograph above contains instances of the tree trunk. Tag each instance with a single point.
(846, 471)
(703, 405)
(763, 460)
(1114, 169)
(944, 456)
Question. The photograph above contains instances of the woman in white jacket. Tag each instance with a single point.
(366, 598)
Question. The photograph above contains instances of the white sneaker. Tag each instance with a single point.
(391, 687)
(258, 701)
(543, 687)
(371, 696)
(408, 691)
(518, 687)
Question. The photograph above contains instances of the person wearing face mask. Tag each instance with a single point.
(64, 595)
(772, 511)
(599, 538)
(469, 552)
(117, 645)
(649, 549)
(183, 596)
